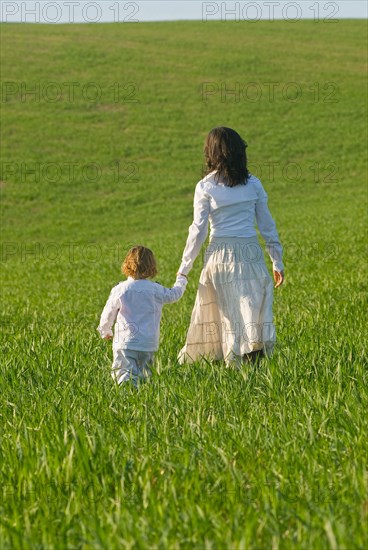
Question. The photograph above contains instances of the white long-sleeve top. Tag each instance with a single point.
(135, 306)
(231, 212)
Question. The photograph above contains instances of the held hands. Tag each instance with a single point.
(182, 274)
(279, 278)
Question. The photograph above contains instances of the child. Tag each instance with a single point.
(136, 306)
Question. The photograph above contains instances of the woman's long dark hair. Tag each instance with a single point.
(224, 151)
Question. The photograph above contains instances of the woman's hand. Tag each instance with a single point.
(279, 278)
(182, 274)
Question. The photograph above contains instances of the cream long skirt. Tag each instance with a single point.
(232, 314)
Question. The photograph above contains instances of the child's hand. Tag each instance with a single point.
(279, 278)
(109, 337)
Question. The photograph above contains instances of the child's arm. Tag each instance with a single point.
(174, 294)
(109, 314)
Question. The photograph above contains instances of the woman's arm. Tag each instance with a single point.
(197, 231)
(267, 228)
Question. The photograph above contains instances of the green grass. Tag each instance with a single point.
(202, 456)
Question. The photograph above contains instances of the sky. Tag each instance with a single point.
(125, 11)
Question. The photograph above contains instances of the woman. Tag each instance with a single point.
(232, 315)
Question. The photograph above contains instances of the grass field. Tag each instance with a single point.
(102, 135)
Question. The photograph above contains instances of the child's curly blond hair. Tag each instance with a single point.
(139, 263)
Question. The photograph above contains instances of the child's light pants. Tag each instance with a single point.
(131, 365)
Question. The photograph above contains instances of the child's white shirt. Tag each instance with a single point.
(135, 306)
